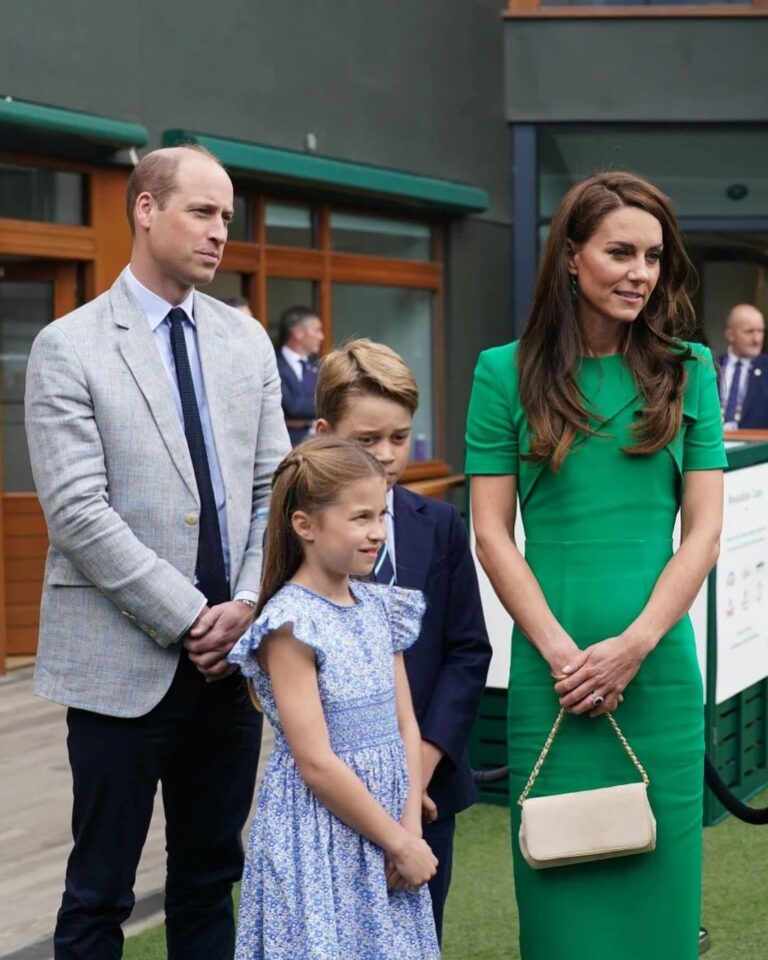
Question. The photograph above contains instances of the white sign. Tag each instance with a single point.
(742, 583)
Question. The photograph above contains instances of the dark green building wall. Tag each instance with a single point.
(652, 69)
(416, 86)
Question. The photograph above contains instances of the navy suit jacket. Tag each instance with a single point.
(754, 413)
(295, 405)
(448, 664)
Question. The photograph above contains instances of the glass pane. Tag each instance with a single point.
(284, 293)
(52, 196)
(290, 225)
(706, 172)
(402, 319)
(380, 237)
(25, 308)
(226, 285)
(240, 228)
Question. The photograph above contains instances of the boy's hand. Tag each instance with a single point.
(428, 808)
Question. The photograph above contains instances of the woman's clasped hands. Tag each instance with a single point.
(593, 681)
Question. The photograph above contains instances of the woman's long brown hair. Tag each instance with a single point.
(310, 478)
(552, 344)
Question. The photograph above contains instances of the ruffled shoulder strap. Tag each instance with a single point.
(286, 607)
(404, 610)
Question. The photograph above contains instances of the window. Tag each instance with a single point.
(402, 319)
(37, 193)
(366, 274)
(708, 172)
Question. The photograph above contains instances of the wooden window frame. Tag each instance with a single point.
(257, 261)
(534, 9)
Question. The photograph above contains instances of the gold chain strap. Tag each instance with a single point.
(548, 743)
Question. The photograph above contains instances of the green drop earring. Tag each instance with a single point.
(573, 287)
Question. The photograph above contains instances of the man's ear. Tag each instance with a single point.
(323, 428)
(303, 526)
(144, 210)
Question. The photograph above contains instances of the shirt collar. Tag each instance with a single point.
(155, 308)
(732, 359)
(291, 356)
(391, 502)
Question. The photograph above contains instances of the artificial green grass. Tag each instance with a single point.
(481, 919)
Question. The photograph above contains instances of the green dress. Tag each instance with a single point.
(598, 534)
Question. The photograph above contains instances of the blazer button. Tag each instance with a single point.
(191, 519)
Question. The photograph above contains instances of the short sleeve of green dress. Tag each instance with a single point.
(598, 534)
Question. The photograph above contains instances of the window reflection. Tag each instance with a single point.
(401, 318)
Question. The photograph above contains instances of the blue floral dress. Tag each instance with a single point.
(313, 889)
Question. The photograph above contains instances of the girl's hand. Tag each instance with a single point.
(411, 865)
(606, 671)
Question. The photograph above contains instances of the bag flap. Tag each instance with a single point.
(588, 822)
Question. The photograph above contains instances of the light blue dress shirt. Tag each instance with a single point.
(156, 311)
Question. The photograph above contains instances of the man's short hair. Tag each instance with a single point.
(156, 174)
(363, 368)
(289, 320)
(237, 301)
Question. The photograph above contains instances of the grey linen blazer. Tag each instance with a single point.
(116, 483)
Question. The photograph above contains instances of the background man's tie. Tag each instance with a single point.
(384, 571)
(732, 403)
(308, 380)
(211, 576)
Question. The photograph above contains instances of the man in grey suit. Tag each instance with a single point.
(154, 426)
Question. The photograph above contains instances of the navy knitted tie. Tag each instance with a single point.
(732, 402)
(211, 576)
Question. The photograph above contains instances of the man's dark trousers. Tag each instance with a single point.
(201, 742)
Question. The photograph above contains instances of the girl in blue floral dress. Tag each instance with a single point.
(336, 867)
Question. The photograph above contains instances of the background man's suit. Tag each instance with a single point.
(298, 402)
(754, 411)
(115, 478)
(448, 664)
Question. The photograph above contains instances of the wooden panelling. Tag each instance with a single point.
(293, 262)
(28, 238)
(110, 224)
(240, 257)
(24, 546)
(353, 268)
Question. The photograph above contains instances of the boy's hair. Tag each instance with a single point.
(310, 478)
(358, 368)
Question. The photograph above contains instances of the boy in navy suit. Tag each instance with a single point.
(367, 393)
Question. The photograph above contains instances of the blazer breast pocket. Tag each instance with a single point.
(245, 392)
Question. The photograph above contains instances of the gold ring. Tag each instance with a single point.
(559, 676)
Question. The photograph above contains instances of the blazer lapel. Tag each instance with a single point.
(414, 533)
(218, 359)
(142, 356)
(756, 372)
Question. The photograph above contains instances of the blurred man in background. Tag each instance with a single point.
(300, 337)
(744, 371)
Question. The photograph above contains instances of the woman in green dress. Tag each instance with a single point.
(604, 423)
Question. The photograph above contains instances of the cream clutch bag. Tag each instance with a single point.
(570, 828)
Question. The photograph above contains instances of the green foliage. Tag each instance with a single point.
(481, 920)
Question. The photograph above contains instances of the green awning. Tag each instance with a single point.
(39, 127)
(341, 176)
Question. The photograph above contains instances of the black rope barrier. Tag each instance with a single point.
(490, 776)
(729, 800)
(739, 809)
